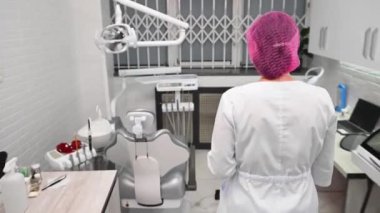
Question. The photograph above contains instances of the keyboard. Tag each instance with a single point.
(349, 127)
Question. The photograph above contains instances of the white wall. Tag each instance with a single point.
(359, 85)
(53, 73)
(86, 21)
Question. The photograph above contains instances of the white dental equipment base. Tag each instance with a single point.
(60, 161)
(169, 204)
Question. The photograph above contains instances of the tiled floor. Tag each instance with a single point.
(331, 202)
(202, 200)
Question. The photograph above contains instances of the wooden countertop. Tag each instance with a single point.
(86, 192)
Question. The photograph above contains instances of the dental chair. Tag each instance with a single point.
(152, 165)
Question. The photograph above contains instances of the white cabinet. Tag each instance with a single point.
(354, 33)
(360, 32)
(324, 39)
(373, 25)
(346, 30)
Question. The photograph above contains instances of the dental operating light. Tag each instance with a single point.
(118, 37)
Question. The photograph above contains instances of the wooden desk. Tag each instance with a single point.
(86, 192)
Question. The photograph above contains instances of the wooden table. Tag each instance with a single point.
(85, 192)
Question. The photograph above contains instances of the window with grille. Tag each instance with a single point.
(215, 39)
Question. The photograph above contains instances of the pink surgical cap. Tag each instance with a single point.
(273, 41)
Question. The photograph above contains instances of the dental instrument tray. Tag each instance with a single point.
(62, 161)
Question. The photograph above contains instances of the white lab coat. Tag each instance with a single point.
(272, 142)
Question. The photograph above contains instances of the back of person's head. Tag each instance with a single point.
(273, 41)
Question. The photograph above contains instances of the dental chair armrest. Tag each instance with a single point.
(192, 183)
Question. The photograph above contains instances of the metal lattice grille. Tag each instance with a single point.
(147, 28)
(216, 38)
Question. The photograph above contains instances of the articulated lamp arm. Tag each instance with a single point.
(116, 38)
(154, 13)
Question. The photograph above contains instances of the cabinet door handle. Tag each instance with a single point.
(373, 44)
(320, 37)
(365, 44)
(325, 37)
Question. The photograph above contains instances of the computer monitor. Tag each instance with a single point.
(365, 115)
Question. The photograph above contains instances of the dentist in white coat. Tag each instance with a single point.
(273, 140)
